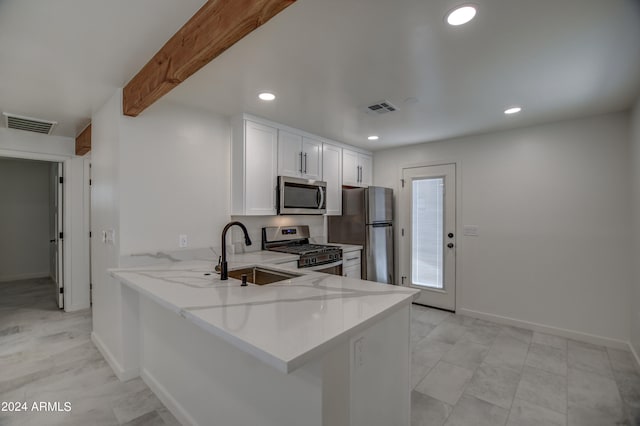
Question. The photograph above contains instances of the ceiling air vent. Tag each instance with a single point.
(382, 107)
(29, 124)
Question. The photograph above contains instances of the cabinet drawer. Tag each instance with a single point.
(351, 258)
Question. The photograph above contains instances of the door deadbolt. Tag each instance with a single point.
(450, 235)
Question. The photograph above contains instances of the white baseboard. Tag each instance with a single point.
(169, 401)
(74, 308)
(562, 332)
(29, 276)
(120, 372)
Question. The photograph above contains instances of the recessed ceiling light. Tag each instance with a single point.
(461, 15)
(267, 96)
(373, 138)
(513, 110)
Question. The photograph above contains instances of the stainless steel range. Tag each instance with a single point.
(295, 240)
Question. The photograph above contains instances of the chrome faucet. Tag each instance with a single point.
(224, 273)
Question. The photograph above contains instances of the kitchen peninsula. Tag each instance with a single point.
(313, 350)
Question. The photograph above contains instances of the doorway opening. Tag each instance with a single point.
(31, 224)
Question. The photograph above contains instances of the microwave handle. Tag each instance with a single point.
(321, 197)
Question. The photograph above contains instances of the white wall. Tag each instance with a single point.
(174, 174)
(552, 206)
(18, 143)
(105, 208)
(24, 219)
(155, 176)
(635, 160)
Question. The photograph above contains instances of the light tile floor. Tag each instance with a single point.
(47, 355)
(465, 372)
(469, 372)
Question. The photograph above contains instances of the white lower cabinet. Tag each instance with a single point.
(352, 263)
(352, 272)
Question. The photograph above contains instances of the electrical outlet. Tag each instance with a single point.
(182, 241)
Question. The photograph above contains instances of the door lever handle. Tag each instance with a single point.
(450, 245)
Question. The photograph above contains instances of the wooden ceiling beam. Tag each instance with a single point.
(217, 26)
(83, 141)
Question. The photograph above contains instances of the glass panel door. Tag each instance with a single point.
(428, 240)
(427, 232)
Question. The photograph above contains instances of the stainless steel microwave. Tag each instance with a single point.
(301, 196)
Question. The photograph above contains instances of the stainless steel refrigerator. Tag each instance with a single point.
(367, 220)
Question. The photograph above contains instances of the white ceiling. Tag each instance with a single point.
(328, 59)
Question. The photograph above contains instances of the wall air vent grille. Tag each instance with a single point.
(382, 107)
(28, 124)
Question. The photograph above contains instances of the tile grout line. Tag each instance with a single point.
(520, 380)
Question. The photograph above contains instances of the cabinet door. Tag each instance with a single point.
(352, 272)
(366, 165)
(289, 154)
(350, 168)
(311, 158)
(332, 174)
(261, 169)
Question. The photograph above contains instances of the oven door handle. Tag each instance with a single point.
(323, 266)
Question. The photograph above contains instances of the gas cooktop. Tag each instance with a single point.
(295, 240)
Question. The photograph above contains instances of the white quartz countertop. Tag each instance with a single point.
(285, 324)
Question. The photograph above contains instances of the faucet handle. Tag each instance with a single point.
(218, 267)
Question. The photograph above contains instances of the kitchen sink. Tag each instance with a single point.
(261, 276)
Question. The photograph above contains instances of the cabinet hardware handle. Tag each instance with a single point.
(301, 162)
(305, 162)
(352, 258)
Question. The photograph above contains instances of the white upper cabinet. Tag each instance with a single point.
(262, 150)
(299, 156)
(254, 164)
(312, 158)
(289, 154)
(366, 169)
(332, 172)
(356, 168)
